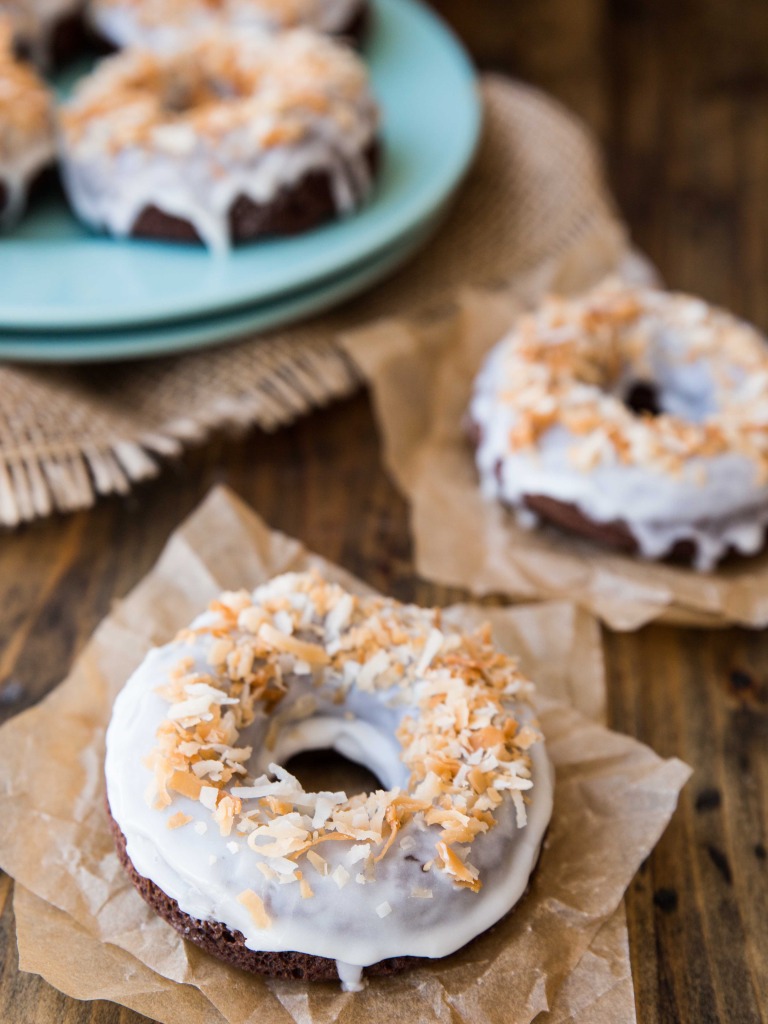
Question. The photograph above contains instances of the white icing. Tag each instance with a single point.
(719, 502)
(353, 918)
(159, 25)
(197, 178)
(350, 976)
(17, 172)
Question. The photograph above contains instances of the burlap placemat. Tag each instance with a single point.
(534, 200)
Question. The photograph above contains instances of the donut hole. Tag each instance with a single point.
(330, 753)
(191, 89)
(677, 388)
(328, 770)
(178, 97)
(642, 397)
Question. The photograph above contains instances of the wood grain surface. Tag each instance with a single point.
(678, 94)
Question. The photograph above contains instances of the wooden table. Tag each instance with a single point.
(678, 93)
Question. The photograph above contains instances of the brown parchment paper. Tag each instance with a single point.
(83, 927)
(421, 381)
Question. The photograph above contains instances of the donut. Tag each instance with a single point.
(635, 417)
(47, 32)
(230, 138)
(160, 24)
(26, 129)
(227, 845)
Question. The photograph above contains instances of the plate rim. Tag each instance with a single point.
(237, 324)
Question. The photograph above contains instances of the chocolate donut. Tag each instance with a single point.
(230, 138)
(634, 417)
(229, 848)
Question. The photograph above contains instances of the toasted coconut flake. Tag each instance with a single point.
(431, 649)
(220, 650)
(208, 796)
(456, 867)
(186, 784)
(312, 653)
(199, 700)
(320, 864)
(341, 876)
(251, 619)
(526, 737)
(254, 904)
(358, 852)
(339, 615)
(178, 819)
(372, 669)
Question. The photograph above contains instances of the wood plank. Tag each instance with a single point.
(678, 93)
(697, 911)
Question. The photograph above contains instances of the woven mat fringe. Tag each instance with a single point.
(38, 477)
(534, 203)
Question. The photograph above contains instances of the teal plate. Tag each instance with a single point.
(55, 275)
(159, 340)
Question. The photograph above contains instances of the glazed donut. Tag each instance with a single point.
(27, 141)
(48, 32)
(636, 417)
(228, 847)
(230, 138)
(160, 24)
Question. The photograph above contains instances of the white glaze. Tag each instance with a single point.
(352, 926)
(198, 178)
(18, 172)
(159, 26)
(350, 976)
(719, 502)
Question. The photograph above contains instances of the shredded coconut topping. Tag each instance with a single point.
(566, 364)
(460, 741)
(245, 91)
(26, 105)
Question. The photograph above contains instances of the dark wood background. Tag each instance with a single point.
(677, 91)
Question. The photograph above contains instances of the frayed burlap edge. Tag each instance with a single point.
(40, 474)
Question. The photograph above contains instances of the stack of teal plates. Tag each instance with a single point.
(67, 295)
